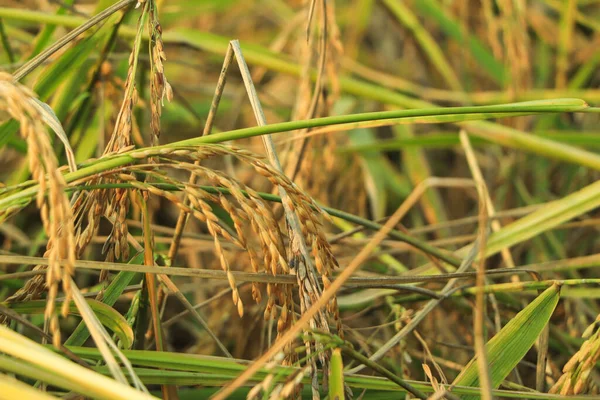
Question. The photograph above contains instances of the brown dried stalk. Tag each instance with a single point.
(54, 208)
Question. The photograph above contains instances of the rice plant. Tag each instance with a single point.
(299, 199)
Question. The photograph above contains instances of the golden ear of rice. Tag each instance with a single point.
(576, 372)
(255, 228)
(55, 210)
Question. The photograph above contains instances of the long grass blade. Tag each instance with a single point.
(511, 344)
(80, 378)
(108, 316)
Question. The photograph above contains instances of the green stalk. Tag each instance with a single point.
(518, 287)
(110, 162)
(261, 57)
(196, 368)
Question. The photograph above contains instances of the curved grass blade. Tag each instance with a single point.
(110, 296)
(107, 315)
(53, 122)
(260, 56)
(510, 345)
(545, 218)
(531, 107)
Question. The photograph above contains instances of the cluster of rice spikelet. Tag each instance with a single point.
(159, 86)
(88, 207)
(290, 388)
(116, 202)
(576, 373)
(256, 229)
(55, 210)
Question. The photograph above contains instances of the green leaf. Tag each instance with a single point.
(196, 369)
(260, 56)
(336, 376)
(545, 218)
(509, 346)
(418, 169)
(7, 131)
(111, 294)
(108, 316)
(373, 166)
(43, 38)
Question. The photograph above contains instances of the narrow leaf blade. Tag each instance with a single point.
(510, 345)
